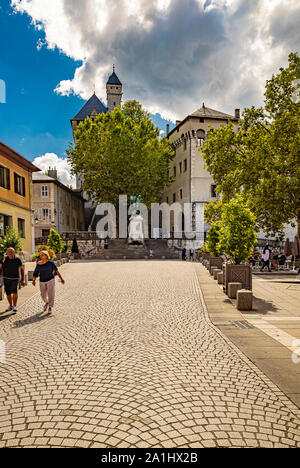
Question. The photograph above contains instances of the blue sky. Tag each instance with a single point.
(171, 55)
(34, 120)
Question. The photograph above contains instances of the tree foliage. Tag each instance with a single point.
(120, 153)
(12, 238)
(262, 160)
(237, 236)
(213, 239)
(55, 242)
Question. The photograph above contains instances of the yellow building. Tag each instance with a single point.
(16, 196)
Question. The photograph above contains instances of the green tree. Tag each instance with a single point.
(75, 247)
(12, 238)
(118, 154)
(55, 242)
(135, 111)
(213, 239)
(237, 233)
(262, 160)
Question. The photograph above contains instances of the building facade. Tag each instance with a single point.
(192, 182)
(16, 196)
(56, 206)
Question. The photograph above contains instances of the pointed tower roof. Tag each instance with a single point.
(92, 104)
(113, 79)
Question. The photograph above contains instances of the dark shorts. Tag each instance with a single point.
(11, 286)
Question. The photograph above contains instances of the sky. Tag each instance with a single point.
(171, 55)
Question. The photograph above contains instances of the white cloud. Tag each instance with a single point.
(51, 160)
(171, 54)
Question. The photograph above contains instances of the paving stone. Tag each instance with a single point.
(137, 365)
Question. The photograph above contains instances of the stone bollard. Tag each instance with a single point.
(233, 288)
(220, 277)
(58, 263)
(30, 276)
(216, 272)
(244, 300)
(212, 270)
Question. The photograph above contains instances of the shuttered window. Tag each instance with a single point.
(19, 185)
(4, 177)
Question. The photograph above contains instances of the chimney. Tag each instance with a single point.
(237, 114)
(168, 129)
(178, 122)
(52, 173)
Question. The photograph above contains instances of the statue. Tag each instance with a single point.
(136, 230)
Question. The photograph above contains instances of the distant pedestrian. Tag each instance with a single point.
(275, 255)
(266, 258)
(46, 270)
(151, 254)
(191, 255)
(184, 255)
(11, 265)
(22, 256)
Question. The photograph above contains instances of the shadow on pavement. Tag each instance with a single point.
(5, 317)
(263, 307)
(30, 320)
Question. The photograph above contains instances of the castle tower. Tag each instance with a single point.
(114, 91)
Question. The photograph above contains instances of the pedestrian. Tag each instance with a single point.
(184, 254)
(151, 254)
(22, 256)
(11, 265)
(275, 255)
(46, 270)
(191, 255)
(266, 258)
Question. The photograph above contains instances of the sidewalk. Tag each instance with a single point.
(266, 334)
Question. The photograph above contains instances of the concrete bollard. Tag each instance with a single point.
(216, 272)
(30, 275)
(244, 300)
(58, 263)
(212, 270)
(220, 277)
(233, 288)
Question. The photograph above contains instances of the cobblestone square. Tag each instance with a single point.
(130, 359)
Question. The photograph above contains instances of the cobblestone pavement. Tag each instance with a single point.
(130, 359)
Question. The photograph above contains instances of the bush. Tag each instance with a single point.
(12, 239)
(55, 242)
(213, 239)
(75, 247)
(237, 233)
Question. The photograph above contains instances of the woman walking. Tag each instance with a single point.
(46, 270)
(266, 258)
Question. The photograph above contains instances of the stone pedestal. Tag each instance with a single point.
(244, 300)
(216, 272)
(220, 277)
(30, 275)
(212, 269)
(238, 274)
(233, 289)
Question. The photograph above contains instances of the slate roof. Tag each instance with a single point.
(211, 113)
(113, 79)
(93, 103)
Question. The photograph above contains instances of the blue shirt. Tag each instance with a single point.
(45, 272)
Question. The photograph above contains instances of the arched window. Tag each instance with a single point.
(200, 137)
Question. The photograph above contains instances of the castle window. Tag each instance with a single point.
(174, 169)
(180, 168)
(184, 144)
(174, 197)
(180, 194)
(185, 165)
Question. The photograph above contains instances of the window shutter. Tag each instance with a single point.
(16, 182)
(23, 187)
(8, 179)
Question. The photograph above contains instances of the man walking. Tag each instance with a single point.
(11, 267)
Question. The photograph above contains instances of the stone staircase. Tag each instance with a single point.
(118, 249)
